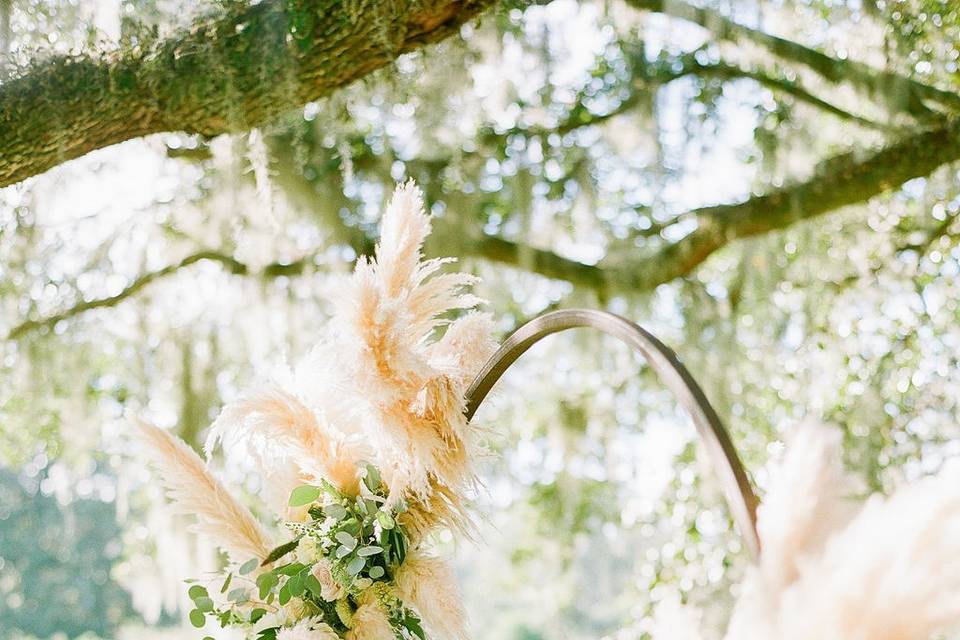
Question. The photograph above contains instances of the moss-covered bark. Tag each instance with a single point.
(842, 181)
(229, 72)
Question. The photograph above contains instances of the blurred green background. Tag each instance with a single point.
(573, 154)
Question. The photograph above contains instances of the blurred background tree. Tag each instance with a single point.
(769, 186)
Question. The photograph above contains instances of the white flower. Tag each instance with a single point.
(276, 618)
(307, 551)
(310, 629)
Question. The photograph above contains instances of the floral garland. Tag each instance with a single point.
(364, 453)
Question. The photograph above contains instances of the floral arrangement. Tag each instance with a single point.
(364, 452)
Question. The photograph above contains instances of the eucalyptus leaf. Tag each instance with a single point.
(386, 520)
(373, 478)
(197, 618)
(266, 582)
(313, 585)
(295, 585)
(369, 551)
(335, 511)
(238, 595)
(356, 566)
(197, 591)
(291, 569)
(346, 540)
(204, 604)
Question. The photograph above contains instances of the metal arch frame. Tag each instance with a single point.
(737, 489)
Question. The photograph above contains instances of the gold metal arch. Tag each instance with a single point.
(737, 489)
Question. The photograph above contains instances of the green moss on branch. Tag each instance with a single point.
(230, 71)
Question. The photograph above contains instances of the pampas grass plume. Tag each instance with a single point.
(429, 585)
(370, 622)
(195, 491)
(888, 571)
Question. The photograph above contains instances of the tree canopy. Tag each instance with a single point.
(769, 187)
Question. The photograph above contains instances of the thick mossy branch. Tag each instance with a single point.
(229, 72)
(844, 180)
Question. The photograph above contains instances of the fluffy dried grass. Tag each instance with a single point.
(380, 386)
(384, 385)
(370, 622)
(429, 585)
(830, 569)
(196, 492)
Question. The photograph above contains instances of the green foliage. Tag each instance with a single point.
(356, 540)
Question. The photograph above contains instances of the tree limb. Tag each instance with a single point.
(843, 180)
(230, 263)
(898, 93)
(726, 71)
(230, 71)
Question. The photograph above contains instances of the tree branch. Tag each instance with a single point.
(231, 264)
(539, 261)
(844, 180)
(230, 71)
(898, 93)
(726, 71)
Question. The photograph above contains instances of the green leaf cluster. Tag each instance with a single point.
(357, 538)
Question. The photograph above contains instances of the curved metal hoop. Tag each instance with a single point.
(726, 463)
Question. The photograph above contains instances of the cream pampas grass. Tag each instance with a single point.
(429, 585)
(892, 574)
(195, 491)
(804, 505)
(372, 421)
(278, 433)
(888, 570)
(386, 315)
(384, 385)
(370, 622)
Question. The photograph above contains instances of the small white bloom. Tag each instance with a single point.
(310, 629)
(276, 618)
(307, 551)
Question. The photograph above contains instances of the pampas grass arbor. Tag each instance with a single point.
(401, 398)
